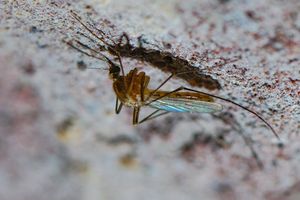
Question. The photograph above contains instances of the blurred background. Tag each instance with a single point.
(61, 139)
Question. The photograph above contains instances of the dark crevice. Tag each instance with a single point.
(156, 57)
(167, 62)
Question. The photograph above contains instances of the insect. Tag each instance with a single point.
(132, 90)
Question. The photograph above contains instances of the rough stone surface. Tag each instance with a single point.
(59, 135)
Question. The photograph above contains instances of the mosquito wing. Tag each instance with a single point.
(186, 105)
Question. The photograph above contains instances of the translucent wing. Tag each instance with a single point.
(185, 105)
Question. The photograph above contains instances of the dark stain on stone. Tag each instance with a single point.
(156, 57)
(81, 65)
(64, 126)
(29, 68)
(167, 62)
(34, 29)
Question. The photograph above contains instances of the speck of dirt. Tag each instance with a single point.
(29, 68)
(88, 7)
(187, 151)
(225, 190)
(121, 139)
(64, 126)
(81, 65)
(79, 166)
(34, 29)
(293, 60)
(189, 148)
(42, 46)
(252, 15)
(128, 161)
(224, 1)
(167, 45)
(280, 145)
(292, 192)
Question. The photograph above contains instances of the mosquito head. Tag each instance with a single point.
(114, 71)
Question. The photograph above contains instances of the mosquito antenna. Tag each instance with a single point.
(76, 17)
(101, 47)
(239, 105)
(114, 67)
(94, 55)
(96, 68)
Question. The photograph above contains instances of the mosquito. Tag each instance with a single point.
(132, 90)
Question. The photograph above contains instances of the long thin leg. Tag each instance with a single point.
(122, 69)
(118, 106)
(142, 88)
(249, 143)
(141, 40)
(124, 35)
(247, 140)
(103, 35)
(153, 115)
(162, 84)
(135, 117)
(221, 98)
(121, 64)
(136, 113)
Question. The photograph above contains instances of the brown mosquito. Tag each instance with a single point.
(132, 89)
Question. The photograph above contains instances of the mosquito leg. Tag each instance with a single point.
(165, 95)
(243, 107)
(135, 117)
(153, 115)
(142, 40)
(118, 106)
(103, 35)
(221, 98)
(248, 141)
(122, 69)
(121, 64)
(124, 35)
(162, 84)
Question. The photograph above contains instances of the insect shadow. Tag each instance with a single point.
(154, 55)
(132, 90)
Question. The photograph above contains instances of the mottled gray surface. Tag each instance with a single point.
(59, 135)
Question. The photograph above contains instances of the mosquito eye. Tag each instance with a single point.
(114, 70)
